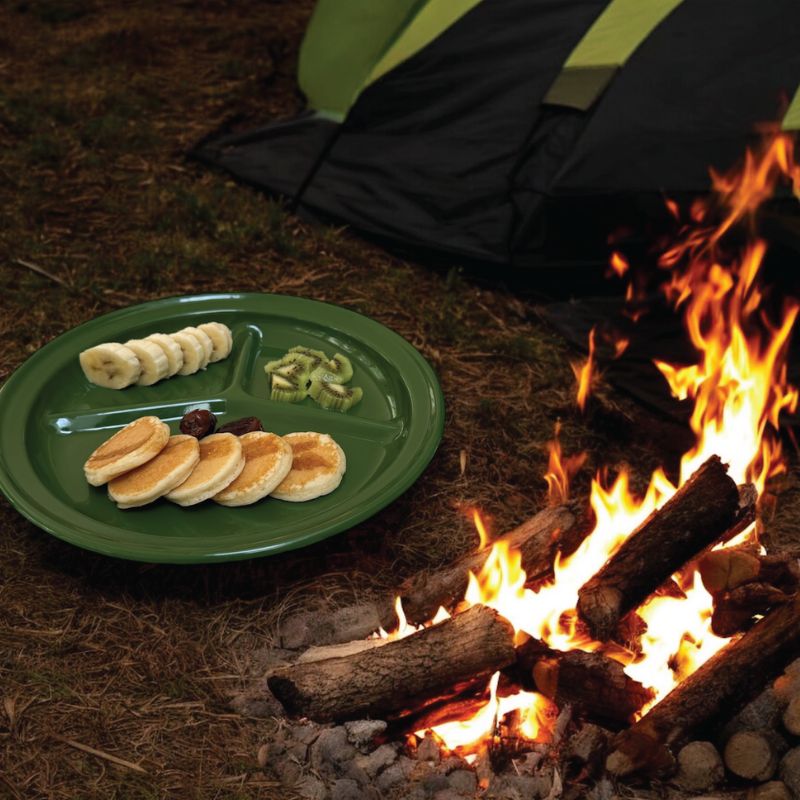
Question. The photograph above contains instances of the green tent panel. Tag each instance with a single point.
(791, 121)
(351, 43)
(607, 45)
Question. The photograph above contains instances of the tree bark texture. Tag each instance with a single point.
(697, 515)
(405, 674)
(592, 682)
(538, 539)
(722, 685)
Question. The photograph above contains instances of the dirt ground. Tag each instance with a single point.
(100, 209)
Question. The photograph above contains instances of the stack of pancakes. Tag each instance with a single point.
(143, 462)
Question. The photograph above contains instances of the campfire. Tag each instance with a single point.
(652, 615)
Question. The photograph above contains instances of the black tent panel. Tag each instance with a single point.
(690, 97)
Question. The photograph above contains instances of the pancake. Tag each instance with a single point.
(170, 468)
(221, 461)
(318, 465)
(127, 449)
(267, 461)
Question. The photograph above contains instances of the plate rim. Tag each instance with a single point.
(86, 539)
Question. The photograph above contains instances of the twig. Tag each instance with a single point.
(41, 271)
(100, 754)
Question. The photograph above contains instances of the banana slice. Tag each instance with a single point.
(111, 365)
(193, 353)
(154, 363)
(205, 341)
(221, 337)
(171, 349)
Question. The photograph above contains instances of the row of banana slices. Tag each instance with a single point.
(146, 361)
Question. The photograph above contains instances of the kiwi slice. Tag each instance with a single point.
(335, 396)
(286, 390)
(335, 370)
(295, 371)
(313, 357)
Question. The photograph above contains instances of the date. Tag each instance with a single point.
(238, 427)
(198, 423)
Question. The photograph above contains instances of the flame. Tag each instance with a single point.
(481, 528)
(738, 387)
(467, 736)
(619, 264)
(560, 470)
(583, 374)
(403, 627)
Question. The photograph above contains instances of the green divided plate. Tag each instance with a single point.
(52, 418)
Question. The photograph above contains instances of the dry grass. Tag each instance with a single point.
(98, 102)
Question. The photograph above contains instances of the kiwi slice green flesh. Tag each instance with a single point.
(296, 372)
(335, 396)
(336, 370)
(313, 357)
(286, 390)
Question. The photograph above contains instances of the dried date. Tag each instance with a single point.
(198, 423)
(241, 426)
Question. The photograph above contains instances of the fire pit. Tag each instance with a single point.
(584, 647)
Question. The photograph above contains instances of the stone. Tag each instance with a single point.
(394, 775)
(452, 762)
(267, 658)
(306, 733)
(288, 771)
(257, 702)
(588, 745)
(332, 748)
(428, 750)
(378, 760)
(362, 733)
(448, 794)
(311, 788)
(463, 780)
(700, 767)
(434, 783)
(772, 790)
(354, 622)
(524, 785)
(346, 789)
(296, 631)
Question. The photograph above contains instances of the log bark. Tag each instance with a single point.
(405, 674)
(591, 682)
(538, 539)
(735, 611)
(722, 685)
(697, 515)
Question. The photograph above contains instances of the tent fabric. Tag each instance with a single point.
(351, 43)
(607, 45)
(454, 150)
(791, 121)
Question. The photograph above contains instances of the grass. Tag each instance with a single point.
(99, 102)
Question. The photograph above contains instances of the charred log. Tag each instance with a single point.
(735, 611)
(593, 683)
(723, 684)
(538, 540)
(697, 515)
(405, 674)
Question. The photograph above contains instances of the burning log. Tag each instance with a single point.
(591, 682)
(697, 515)
(725, 570)
(538, 540)
(735, 611)
(407, 673)
(727, 680)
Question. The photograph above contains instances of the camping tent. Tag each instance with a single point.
(517, 132)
